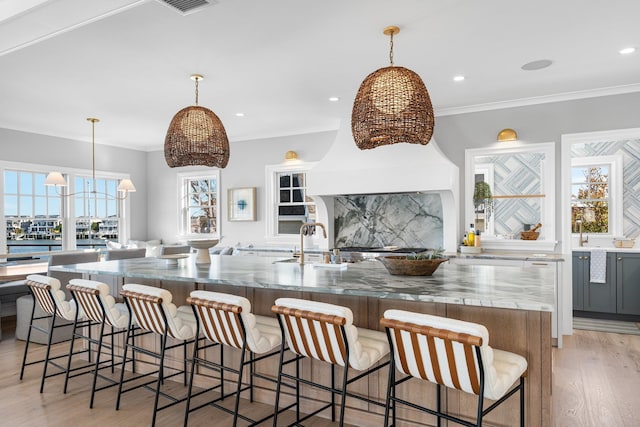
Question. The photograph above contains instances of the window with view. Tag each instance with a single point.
(199, 195)
(97, 213)
(593, 182)
(32, 213)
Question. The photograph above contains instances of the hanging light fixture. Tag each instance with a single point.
(125, 186)
(196, 136)
(392, 106)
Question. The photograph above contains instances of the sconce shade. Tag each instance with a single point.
(392, 106)
(507, 135)
(291, 155)
(126, 185)
(55, 178)
(196, 136)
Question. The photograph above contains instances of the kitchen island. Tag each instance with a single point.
(514, 303)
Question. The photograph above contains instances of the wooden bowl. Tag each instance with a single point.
(529, 235)
(401, 266)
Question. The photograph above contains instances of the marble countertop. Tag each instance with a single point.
(608, 249)
(477, 285)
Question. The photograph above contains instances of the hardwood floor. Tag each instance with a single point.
(596, 382)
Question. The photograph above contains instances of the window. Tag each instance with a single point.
(31, 211)
(97, 215)
(199, 204)
(288, 205)
(38, 219)
(594, 183)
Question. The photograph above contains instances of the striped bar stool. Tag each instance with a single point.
(452, 353)
(227, 319)
(325, 332)
(46, 291)
(101, 309)
(154, 312)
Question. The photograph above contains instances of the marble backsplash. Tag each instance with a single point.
(376, 220)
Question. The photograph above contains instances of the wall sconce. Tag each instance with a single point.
(290, 156)
(507, 135)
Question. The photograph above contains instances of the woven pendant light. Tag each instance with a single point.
(392, 106)
(196, 136)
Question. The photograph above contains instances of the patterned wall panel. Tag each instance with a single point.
(515, 174)
(404, 220)
(630, 152)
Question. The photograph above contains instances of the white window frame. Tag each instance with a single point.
(615, 190)
(271, 204)
(67, 211)
(183, 229)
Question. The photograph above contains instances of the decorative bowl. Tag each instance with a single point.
(401, 266)
(529, 235)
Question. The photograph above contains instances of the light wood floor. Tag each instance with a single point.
(596, 382)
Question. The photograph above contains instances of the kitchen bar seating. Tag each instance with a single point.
(154, 312)
(325, 332)
(47, 292)
(226, 320)
(452, 353)
(100, 308)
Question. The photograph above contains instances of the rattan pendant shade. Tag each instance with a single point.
(392, 106)
(196, 136)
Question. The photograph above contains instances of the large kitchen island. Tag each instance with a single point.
(514, 303)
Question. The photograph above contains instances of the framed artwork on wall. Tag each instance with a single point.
(242, 204)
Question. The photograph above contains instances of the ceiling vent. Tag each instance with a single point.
(186, 7)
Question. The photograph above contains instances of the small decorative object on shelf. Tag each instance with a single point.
(532, 234)
(422, 264)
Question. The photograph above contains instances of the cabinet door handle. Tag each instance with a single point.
(619, 259)
(579, 257)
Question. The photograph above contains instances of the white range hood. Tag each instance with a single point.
(398, 168)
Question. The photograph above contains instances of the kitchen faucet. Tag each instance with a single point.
(302, 229)
(581, 242)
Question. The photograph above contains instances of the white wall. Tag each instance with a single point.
(16, 146)
(246, 168)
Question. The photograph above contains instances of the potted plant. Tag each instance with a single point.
(482, 202)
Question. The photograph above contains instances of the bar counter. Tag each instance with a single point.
(514, 303)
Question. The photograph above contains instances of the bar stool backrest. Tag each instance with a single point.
(46, 290)
(221, 316)
(92, 296)
(441, 350)
(319, 330)
(153, 311)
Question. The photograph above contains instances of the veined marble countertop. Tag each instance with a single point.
(477, 285)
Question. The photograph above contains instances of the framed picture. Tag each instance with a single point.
(242, 204)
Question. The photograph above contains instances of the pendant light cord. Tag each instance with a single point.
(197, 79)
(391, 49)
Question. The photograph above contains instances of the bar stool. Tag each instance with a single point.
(325, 332)
(226, 320)
(154, 312)
(51, 299)
(452, 353)
(101, 309)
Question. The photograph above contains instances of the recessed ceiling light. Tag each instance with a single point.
(627, 50)
(537, 65)
(239, 114)
(334, 99)
(458, 78)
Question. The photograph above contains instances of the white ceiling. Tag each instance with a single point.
(128, 62)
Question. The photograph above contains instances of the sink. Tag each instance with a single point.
(286, 260)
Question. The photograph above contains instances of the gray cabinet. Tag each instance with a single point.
(621, 292)
(628, 283)
(589, 296)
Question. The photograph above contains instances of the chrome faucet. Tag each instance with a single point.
(302, 228)
(581, 242)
